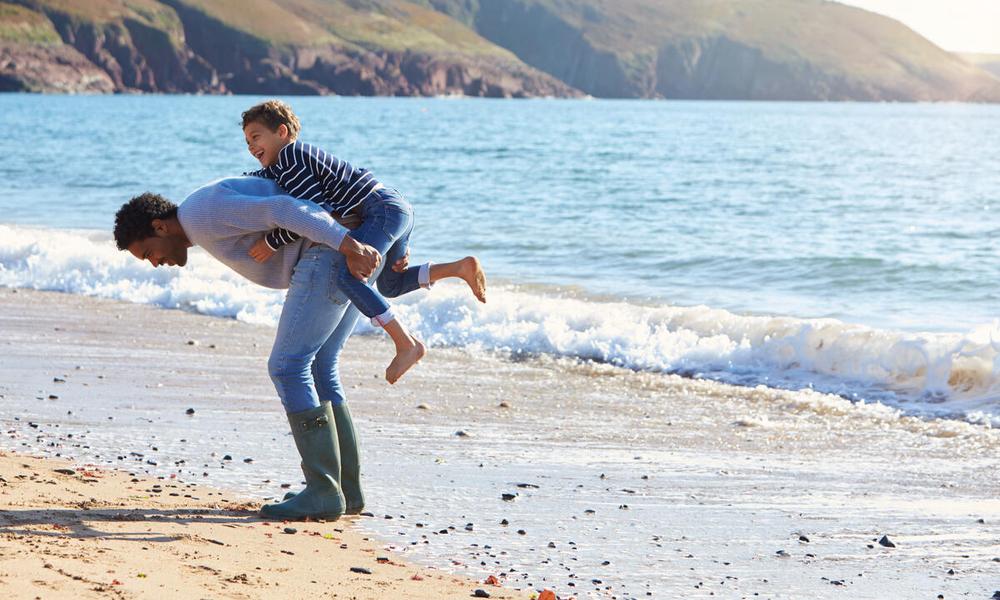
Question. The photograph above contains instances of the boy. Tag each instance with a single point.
(350, 194)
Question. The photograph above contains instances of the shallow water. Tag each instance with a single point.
(848, 248)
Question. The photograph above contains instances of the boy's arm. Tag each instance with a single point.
(276, 238)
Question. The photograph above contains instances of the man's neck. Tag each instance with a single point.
(174, 227)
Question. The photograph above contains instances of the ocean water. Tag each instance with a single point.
(847, 248)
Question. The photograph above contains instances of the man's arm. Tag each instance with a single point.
(305, 219)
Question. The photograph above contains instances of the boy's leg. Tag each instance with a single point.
(467, 269)
(386, 220)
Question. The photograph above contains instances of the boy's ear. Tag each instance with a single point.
(283, 131)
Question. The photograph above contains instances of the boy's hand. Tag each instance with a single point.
(401, 265)
(260, 251)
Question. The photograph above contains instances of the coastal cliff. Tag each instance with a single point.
(685, 49)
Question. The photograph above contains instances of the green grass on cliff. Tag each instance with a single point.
(389, 25)
(104, 13)
(20, 25)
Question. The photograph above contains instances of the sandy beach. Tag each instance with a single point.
(72, 531)
(619, 484)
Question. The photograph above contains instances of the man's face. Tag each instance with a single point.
(161, 249)
(265, 144)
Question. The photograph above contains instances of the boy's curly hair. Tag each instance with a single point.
(134, 220)
(271, 114)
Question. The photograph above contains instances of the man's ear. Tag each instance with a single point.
(159, 227)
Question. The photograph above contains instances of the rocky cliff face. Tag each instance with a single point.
(186, 50)
(49, 68)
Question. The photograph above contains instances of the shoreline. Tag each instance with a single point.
(624, 484)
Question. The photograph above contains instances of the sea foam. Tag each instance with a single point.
(932, 374)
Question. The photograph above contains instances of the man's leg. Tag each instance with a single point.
(326, 373)
(308, 319)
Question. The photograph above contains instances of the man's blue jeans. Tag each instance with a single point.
(315, 322)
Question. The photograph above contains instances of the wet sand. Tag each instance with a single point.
(618, 484)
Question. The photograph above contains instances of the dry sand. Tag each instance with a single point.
(83, 532)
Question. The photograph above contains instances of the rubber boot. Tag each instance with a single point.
(315, 435)
(350, 461)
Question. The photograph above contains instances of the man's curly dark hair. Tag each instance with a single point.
(134, 220)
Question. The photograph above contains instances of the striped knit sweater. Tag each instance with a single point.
(308, 173)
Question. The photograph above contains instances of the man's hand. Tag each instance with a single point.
(362, 259)
(401, 265)
(260, 251)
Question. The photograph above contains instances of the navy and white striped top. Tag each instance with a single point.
(308, 173)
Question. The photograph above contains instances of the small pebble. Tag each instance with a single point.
(361, 570)
(189, 411)
(290, 530)
(480, 593)
(885, 541)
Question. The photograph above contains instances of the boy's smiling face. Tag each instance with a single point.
(265, 144)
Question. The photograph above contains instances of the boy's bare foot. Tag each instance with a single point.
(472, 272)
(405, 358)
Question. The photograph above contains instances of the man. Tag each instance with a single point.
(225, 218)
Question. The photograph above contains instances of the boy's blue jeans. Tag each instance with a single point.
(314, 325)
(387, 221)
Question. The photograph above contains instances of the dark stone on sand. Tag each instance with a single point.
(803, 538)
(285, 486)
(189, 411)
(361, 570)
(885, 541)
(505, 522)
(521, 532)
(951, 571)
(290, 530)
(227, 457)
(508, 497)
(480, 593)
(590, 511)
(606, 563)
(527, 485)
(66, 471)
(996, 595)
(367, 514)
(248, 460)
(58, 380)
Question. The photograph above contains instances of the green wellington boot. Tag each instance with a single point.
(350, 461)
(315, 435)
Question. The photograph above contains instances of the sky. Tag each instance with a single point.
(956, 25)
